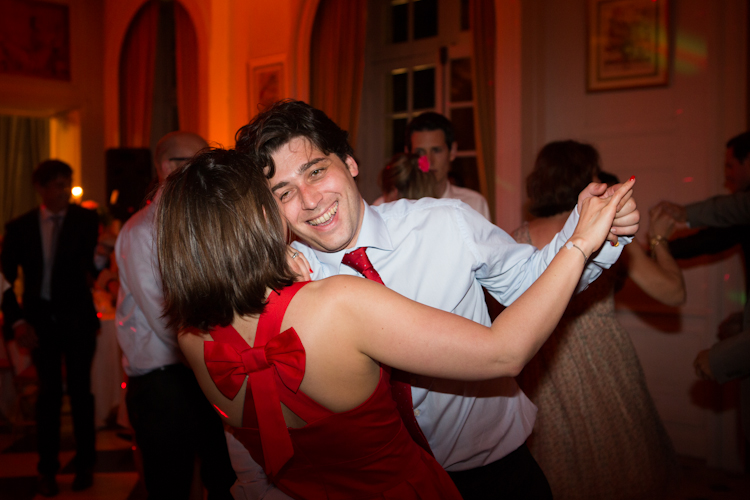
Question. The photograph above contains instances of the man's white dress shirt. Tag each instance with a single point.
(146, 342)
(441, 253)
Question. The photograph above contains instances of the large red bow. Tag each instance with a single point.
(228, 368)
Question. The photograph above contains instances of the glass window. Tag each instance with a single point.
(399, 89)
(464, 172)
(465, 26)
(398, 130)
(400, 20)
(461, 80)
(425, 18)
(463, 124)
(423, 93)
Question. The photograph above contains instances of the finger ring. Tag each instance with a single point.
(295, 254)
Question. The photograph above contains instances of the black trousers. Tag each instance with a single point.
(174, 422)
(515, 476)
(56, 341)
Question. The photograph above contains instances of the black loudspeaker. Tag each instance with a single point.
(129, 178)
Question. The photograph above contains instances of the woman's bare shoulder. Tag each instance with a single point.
(330, 296)
(190, 339)
(340, 286)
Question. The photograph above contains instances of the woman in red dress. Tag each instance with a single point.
(295, 367)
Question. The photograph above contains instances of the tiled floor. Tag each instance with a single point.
(116, 477)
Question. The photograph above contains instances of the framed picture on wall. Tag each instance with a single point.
(35, 39)
(267, 82)
(628, 44)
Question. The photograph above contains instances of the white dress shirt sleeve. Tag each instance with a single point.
(507, 269)
(252, 483)
(145, 340)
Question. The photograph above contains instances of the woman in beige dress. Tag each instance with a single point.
(597, 434)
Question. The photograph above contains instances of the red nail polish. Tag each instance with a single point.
(632, 178)
(311, 271)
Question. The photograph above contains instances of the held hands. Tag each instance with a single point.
(627, 217)
(702, 366)
(599, 211)
(298, 263)
(673, 210)
(661, 224)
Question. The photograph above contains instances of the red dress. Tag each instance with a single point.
(362, 453)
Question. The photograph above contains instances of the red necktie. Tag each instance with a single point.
(400, 390)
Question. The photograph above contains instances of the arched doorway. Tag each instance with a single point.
(158, 75)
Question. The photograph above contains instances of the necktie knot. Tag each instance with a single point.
(359, 261)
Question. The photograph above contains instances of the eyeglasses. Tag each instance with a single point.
(179, 158)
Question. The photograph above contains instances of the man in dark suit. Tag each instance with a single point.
(54, 246)
(727, 222)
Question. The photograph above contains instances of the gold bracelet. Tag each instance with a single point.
(570, 245)
(657, 240)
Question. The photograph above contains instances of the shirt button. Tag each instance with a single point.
(416, 413)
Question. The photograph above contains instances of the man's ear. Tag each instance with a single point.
(352, 166)
(454, 150)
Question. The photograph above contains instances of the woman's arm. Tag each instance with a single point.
(660, 277)
(401, 333)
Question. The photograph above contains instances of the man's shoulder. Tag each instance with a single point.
(139, 227)
(24, 219)
(404, 208)
(472, 198)
(428, 215)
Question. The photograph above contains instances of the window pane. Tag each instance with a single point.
(400, 21)
(398, 129)
(400, 92)
(423, 95)
(464, 15)
(425, 18)
(464, 172)
(463, 124)
(461, 80)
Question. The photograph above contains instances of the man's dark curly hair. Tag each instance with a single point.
(287, 120)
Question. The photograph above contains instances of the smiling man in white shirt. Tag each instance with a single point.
(437, 252)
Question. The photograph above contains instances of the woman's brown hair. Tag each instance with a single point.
(562, 170)
(404, 175)
(220, 241)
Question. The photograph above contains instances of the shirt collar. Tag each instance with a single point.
(46, 214)
(373, 233)
(447, 192)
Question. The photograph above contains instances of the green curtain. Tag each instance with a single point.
(24, 143)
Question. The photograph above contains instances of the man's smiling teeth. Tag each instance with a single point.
(326, 216)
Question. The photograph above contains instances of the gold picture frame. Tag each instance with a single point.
(628, 44)
(266, 82)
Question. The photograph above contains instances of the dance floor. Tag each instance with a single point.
(116, 476)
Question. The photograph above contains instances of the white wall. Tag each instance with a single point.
(672, 139)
